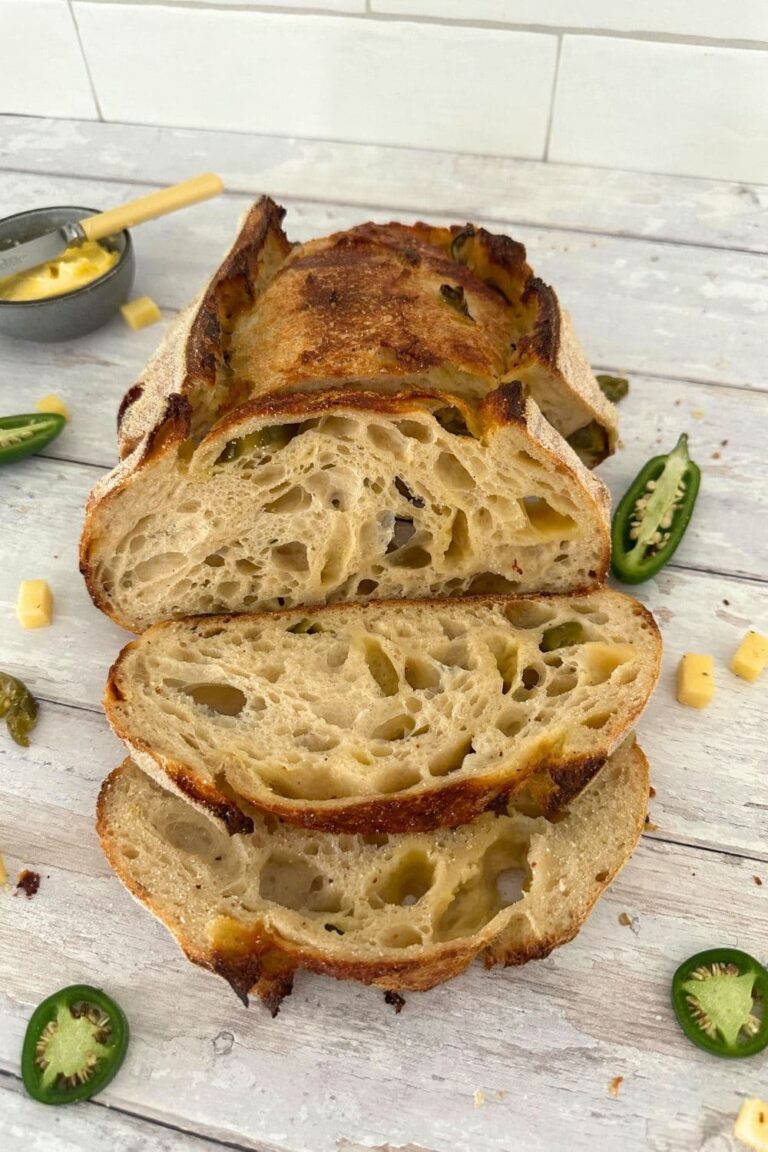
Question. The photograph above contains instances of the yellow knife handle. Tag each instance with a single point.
(149, 207)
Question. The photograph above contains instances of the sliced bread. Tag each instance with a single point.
(377, 308)
(341, 496)
(390, 716)
(401, 912)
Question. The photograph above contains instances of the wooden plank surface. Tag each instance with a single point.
(702, 212)
(643, 262)
(35, 1128)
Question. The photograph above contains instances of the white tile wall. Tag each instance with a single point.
(721, 19)
(303, 5)
(676, 86)
(461, 89)
(42, 71)
(674, 108)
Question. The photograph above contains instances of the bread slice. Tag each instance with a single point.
(377, 308)
(340, 496)
(389, 717)
(401, 912)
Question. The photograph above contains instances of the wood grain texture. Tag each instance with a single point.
(338, 1071)
(31, 1127)
(644, 306)
(702, 212)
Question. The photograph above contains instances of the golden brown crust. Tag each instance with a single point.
(192, 360)
(231, 290)
(367, 305)
(554, 779)
(365, 308)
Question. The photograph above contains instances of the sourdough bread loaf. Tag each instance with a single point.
(377, 308)
(346, 497)
(402, 911)
(389, 716)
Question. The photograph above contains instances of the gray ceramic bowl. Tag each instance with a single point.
(74, 313)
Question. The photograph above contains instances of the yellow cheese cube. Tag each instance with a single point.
(52, 403)
(695, 680)
(751, 1126)
(751, 656)
(34, 606)
(140, 313)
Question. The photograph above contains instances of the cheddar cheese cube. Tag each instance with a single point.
(751, 1126)
(695, 680)
(34, 606)
(52, 403)
(141, 312)
(751, 656)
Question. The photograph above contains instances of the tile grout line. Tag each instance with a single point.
(553, 98)
(370, 13)
(86, 65)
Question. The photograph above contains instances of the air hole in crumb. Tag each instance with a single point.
(224, 699)
(561, 683)
(414, 430)
(415, 557)
(451, 759)
(492, 584)
(452, 420)
(375, 839)
(420, 674)
(510, 724)
(528, 614)
(401, 533)
(291, 557)
(459, 546)
(409, 878)
(597, 720)
(452, 473)
(296, 499)
(400, 937)
(404, 490)
(246, 567)
(381, 667)
(395, 728)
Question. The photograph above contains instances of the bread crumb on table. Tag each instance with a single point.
(479, 1098)
(3, 872)
(614, 1086)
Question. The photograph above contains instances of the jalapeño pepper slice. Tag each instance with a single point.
(19, 707)
(720, 999)
(653, 515)
(74, 1044)
(24, 435)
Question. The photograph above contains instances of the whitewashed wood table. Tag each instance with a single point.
(668, 282)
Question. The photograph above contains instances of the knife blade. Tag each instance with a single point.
(21, 257)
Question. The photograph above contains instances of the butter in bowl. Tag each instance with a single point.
(65, 271)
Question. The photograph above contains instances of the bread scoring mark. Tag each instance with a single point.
(131, 396)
